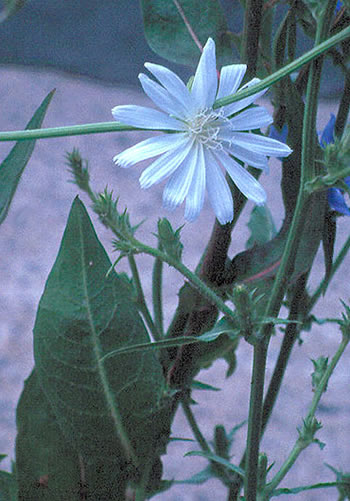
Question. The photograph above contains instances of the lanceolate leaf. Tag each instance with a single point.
(8, 486)
(47, 466)
(111, 407)
(14, 164)
(167, 34)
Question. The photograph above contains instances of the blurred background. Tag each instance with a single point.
(101, 40)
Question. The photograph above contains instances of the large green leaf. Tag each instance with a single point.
(168, 35)
(8, 486)
(10, 8)
(108, 407)
(14, 164)
(47, 466)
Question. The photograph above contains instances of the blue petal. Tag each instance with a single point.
(336, 201)
(328, 132)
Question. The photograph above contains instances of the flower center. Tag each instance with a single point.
(204, 127)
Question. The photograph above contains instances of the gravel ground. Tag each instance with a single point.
(29, 242)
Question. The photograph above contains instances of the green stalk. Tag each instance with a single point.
(96, 128)
(157, 295)
(321, 289)
(300, 445)
(254, 420)
(186, 272)
(278, 291)
(194, 426)
(140, 299)
(251, 34)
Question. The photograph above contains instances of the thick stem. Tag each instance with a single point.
(251, 34)
(254, 420)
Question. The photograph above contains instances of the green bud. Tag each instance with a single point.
(79, 169)
(320, 366)
(307, 432)
(262, 470)
(170, 239)
(345, 322)
(221, 442)
(343, 480)
(243, 300)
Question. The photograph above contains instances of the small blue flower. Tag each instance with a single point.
(338, 6)
(335, 195)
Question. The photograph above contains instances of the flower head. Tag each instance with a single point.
(200, 141)
(335, 196)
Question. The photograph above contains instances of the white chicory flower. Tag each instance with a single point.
(200, 142)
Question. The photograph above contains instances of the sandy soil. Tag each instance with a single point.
(29, 241)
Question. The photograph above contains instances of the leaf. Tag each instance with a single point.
(107, 408)
(261, 225)
(217, 459)
(296, 490)
(168, 35)
(8, 486)
(47, 466)
(198, 478)
(198, 385)
(10, 8)
(14, 164)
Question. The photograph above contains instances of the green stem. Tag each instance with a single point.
(300, 445)
(321, 289)
(140, 299)
(96, 128)
(157, 295)
(251, 34)
(194, 426)
(286, 266)
(187, 273)
(254, 420)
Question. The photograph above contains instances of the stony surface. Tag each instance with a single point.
(29, 240)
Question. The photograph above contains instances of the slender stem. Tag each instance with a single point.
(344, 107)
(186, 272)
(157, 295)
(290, 336)
(278, 291)
(140, 299)
(194, 426)
(321, 289)
(96, 128)
(251, 34)
(300, 445)
(254, 420)
(69, 130)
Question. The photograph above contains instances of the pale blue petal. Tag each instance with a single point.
(243, 103)
(161, 97)
(147, 149)
(244, 181)
(196, 192)
(253, 118)
(205, 81)
(230, 79)
(173, 84)
(218, 191)
(261, 144)
(245, 154)
(145, 118)
(165, 165)
(249, 157)
(177, 187)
